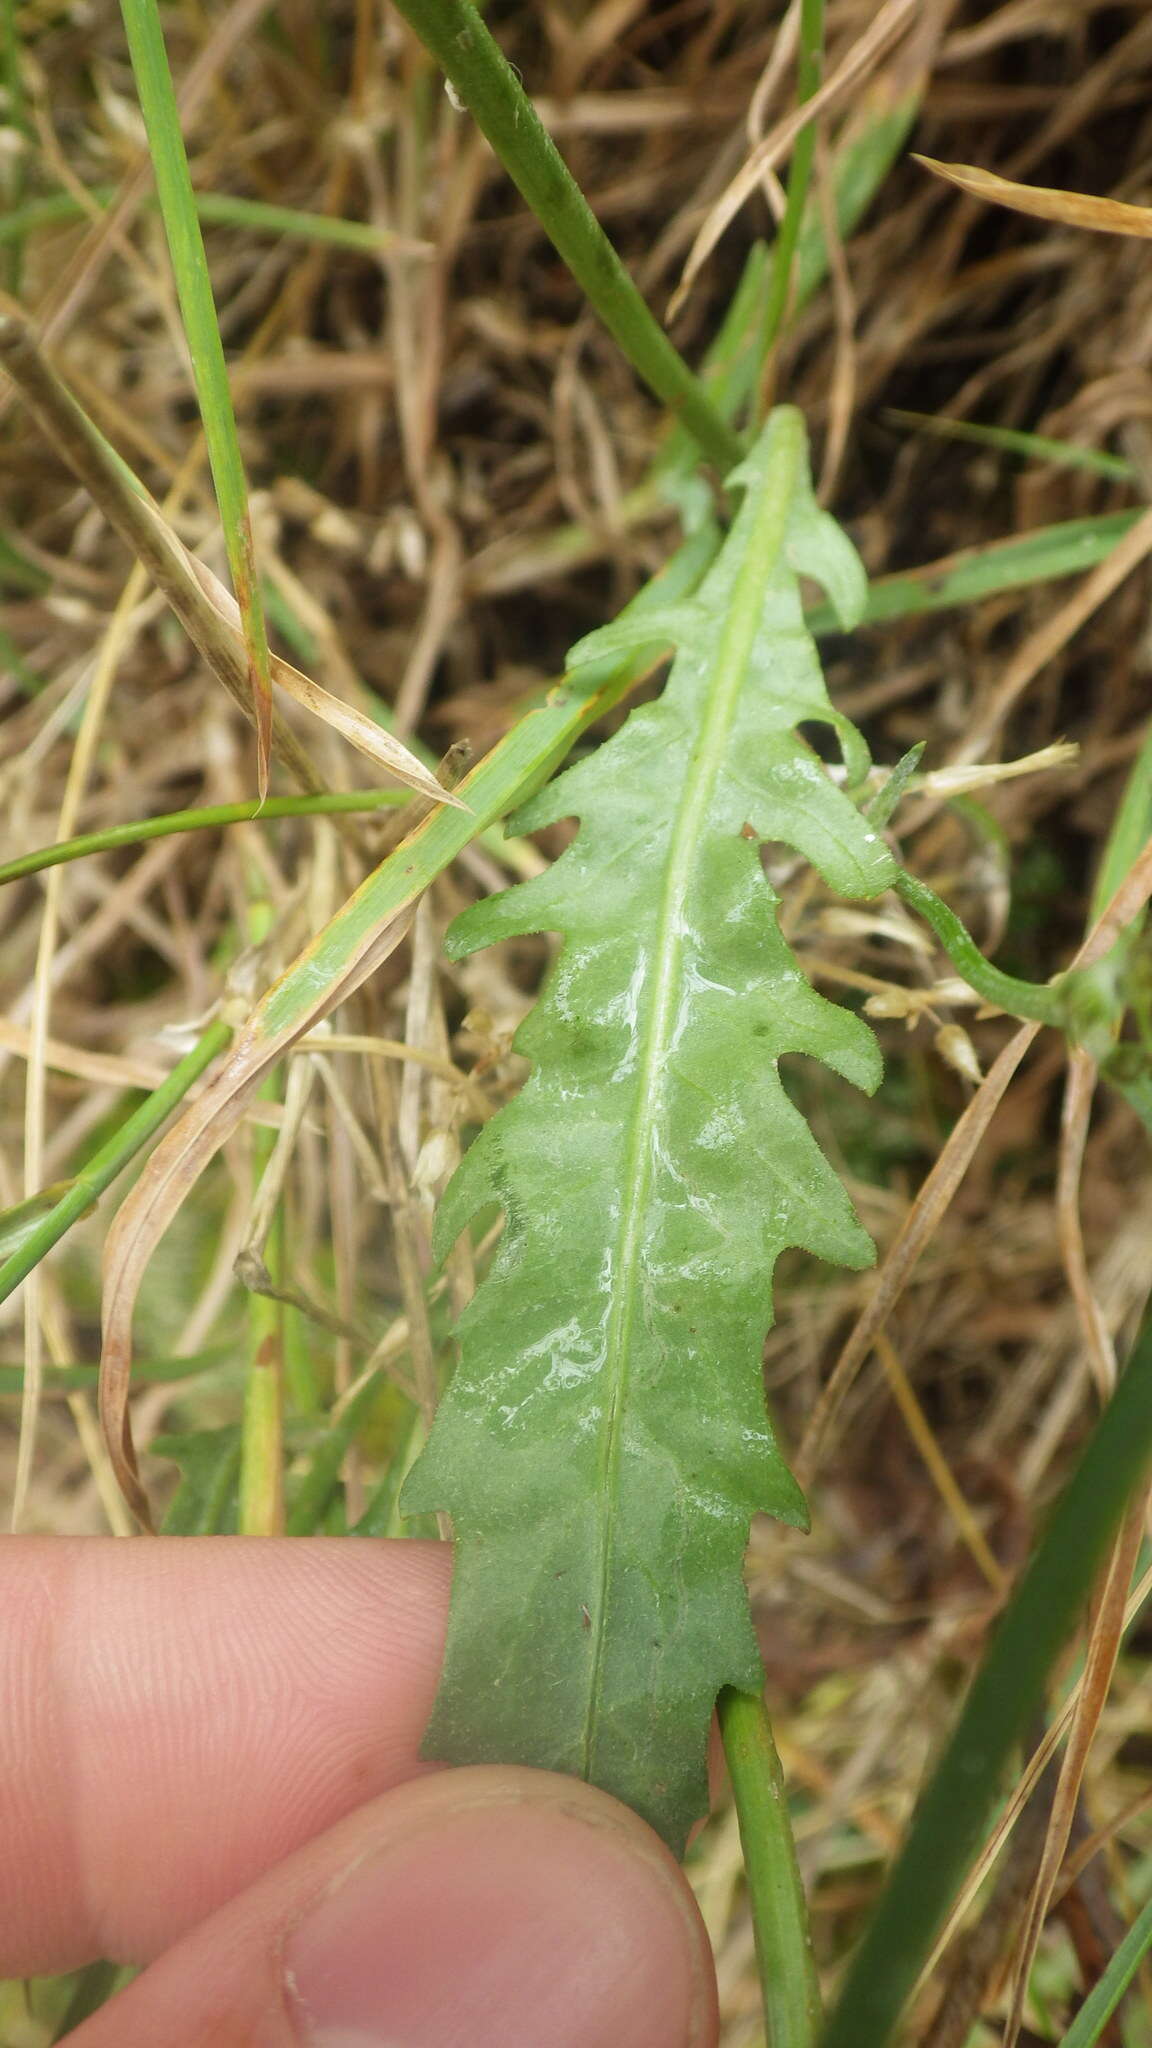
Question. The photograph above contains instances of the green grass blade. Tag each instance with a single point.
(13, 170)
(104, 1167)
(1033, 447)
(318, 1487)
(954, 1813)
(219, 209)
(226, 209)
(963, 579)
(1131, 828)
(863, 161)
(208, 818)
(808, 69)
(482, 77)
(1105, 1996)
(93, 1988)
(209, 369)
(78, 1379)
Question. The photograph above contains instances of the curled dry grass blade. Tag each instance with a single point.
(182, 1156)
(1079, 1090)
(361, 732)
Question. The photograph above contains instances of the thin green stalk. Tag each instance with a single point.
(482, 77)
(209, 370)
(1101, 2002)
(953, 1816)
(223, 209)
(140, 829)
(788, 1982)
(102, 1169)
(260, 1510)
(1045, 1002)
(809, 66)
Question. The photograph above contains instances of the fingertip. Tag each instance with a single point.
(508, 1905)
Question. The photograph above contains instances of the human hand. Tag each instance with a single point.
(208, 1764)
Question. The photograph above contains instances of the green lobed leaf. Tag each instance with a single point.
(604, 1443)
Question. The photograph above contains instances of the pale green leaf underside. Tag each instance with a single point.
(604, 1442)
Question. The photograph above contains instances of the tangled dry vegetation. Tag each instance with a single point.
(446, 457)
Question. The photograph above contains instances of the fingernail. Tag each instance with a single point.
(517, 1924)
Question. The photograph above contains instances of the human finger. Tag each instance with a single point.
(178, 1715)
(484, 1908)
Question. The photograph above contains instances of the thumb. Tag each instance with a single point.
(466, 1909)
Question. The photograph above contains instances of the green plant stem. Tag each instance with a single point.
(808, 70)
(104, 1166)
(140, 829)
(483, 78)
(788, 1982)
(952, 1817)
(260, 1509)
(1044, 1002)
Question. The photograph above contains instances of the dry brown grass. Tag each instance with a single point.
(423, 430)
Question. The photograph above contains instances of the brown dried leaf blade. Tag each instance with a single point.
(177, 1163)
(1046, 202)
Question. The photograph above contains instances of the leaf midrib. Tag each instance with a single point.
(737, 636)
